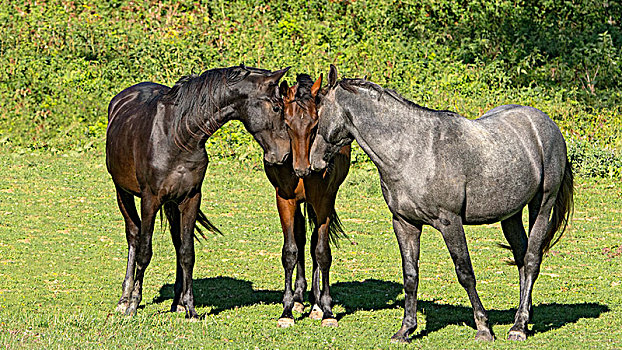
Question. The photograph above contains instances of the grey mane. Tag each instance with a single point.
(352, 84)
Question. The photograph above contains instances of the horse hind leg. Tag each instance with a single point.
(173, 216)
(188, 208)
(132, 232)
(148, 209)
(514, 233)
(539, 213)
(556, 198)
(324, 260)
(314, 295)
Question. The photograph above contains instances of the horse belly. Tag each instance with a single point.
(494, 201)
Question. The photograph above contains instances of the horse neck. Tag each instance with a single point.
(192, 129)
(389, 131)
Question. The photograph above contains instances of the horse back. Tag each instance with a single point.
(135, 97)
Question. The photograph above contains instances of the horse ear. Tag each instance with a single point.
(316, 86)
(332, 76)
(283, 88)
(277, 75)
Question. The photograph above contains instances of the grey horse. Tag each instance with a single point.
(440, 169)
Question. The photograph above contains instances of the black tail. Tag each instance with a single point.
(335, 228)
(564, 206)
(202, 219)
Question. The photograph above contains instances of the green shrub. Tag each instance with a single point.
(63, 61)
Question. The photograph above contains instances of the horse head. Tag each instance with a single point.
(263, 114)
(331, 132)
(300, 114)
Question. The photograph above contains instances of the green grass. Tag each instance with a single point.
(62, 260)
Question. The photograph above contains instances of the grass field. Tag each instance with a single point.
(63, 251)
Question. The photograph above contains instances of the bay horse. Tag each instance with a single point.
(155, 150)
(294, 184)
(440, 169)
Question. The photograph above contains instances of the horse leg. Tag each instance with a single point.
(453, 234)
(532, 260)
(132, 230)
(289, 255)
(188, 208)
(314, 297)
(300, 234)
(408, 237)
(324, 260)
(148, 209)
(173, 216)
(514, 233)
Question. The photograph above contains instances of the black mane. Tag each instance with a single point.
(197, 98)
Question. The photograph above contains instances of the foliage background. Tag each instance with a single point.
(62, 61)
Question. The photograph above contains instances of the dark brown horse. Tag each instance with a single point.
(155, 150)
(294, 184)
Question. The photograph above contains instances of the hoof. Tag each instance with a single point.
(178, 308)
(484, 336)
(316, 313)
(130, 311)
(517, 335)
(299, 307)
(285, 322)
(121, 307)
(399, 339)
(330, 322)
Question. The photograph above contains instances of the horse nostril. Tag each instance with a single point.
(302, 172)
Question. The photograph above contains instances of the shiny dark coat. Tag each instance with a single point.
(155, 150)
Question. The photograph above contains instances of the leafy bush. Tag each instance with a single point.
(63, 61)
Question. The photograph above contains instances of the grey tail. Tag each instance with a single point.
(562, 211)
(335, 228)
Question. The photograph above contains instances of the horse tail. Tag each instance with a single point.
(335, 228)
(202, 219)
(564, 206)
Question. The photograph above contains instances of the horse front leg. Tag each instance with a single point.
(289, 255)
(132, 231)
(300, 287)
(408, 237)
(453, 233)
(149, 206)
(188, 208)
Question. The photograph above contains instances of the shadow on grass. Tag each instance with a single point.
(546, 317)
(226, 293)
